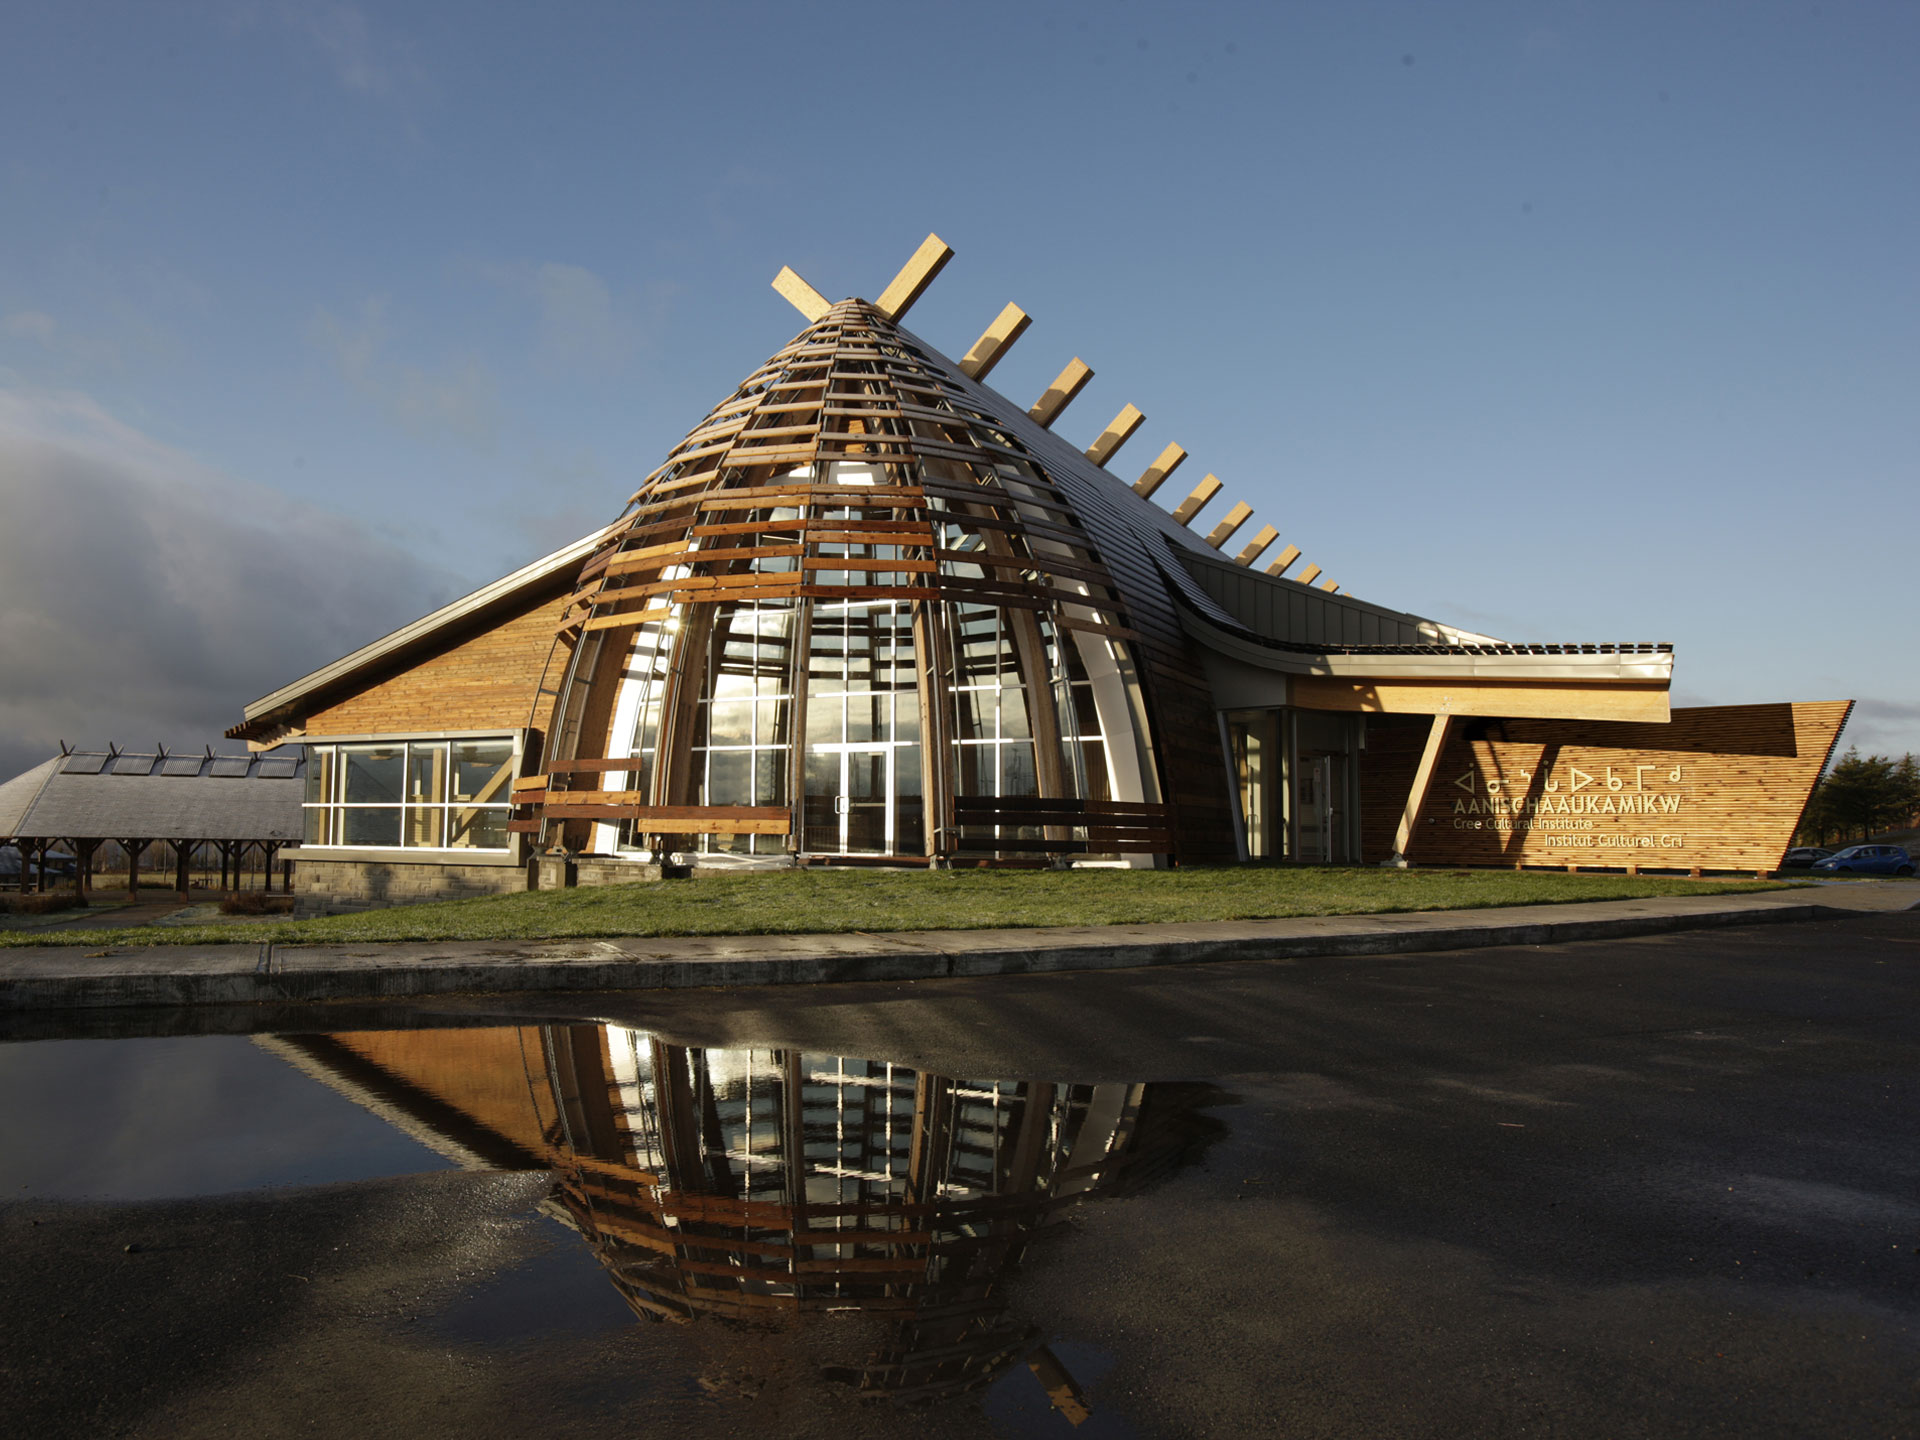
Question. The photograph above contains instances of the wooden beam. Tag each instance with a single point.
(1515, 699)
(988, 351)
(1115, 435)
(1285, 560)
(1255, 546)
(914, 277)
(1233, 520)
(1310, 574)
(802, 296)
(1422, 782)
(1156, 473)
(1067, 384)
(1328, 586)
(1202, 493)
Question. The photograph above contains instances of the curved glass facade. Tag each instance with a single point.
(851, 617)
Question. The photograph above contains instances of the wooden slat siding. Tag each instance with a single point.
(483, 681)
(1747, 771)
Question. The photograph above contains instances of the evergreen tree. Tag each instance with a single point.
(1860, 796)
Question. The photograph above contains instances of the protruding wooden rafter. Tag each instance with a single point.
(1283, 562)
(1328, 586)
(1257, 545)
(1156, 474)
(1208, 487)
(802, 296)
(1310, 574)
(1232, 521)
(988, 351)
(1060, 394)
(914, 277)
(1115, 435)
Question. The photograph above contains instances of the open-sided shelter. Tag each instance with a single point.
(870, 610)
(244, 807)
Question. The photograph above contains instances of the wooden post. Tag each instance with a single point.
(1417, 794)
(134, 849)
(182, 854)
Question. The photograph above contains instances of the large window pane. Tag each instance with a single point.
(478, 829)
(426, 774)
(319, 826)
(483, 770)
(729, 777)
(320, 773)
(361, 825)
(374, 776)
(423, 825)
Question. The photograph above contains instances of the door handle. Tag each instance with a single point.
(840, 805)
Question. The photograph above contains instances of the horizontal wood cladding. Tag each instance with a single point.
(484, 680)
(1720, 788)
(1537, 699)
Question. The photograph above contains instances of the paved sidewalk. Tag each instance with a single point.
(71, 977)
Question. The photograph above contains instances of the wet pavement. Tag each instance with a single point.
(1665, 1187)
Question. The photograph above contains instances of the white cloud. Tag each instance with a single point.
(145, 596)
(460, 401)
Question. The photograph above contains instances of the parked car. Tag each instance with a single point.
(1867, 860)
(1802, 856)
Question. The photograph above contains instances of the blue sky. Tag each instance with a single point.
(1555, 321)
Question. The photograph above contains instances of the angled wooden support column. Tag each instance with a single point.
(1283, 562)
(1156, 473)
(1257, 546)
(1310, 574)
(1008, 326)
(1069, 383)
(1202, 493)
(802, 296)
(914, 277)
(1417, 795)
(1233, 520)
(1115, 435)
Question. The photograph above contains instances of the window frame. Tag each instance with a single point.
(335, 804)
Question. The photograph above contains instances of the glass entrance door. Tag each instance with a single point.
(849, 800)
(1321, 807)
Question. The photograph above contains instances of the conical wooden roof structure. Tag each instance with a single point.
(864, 553)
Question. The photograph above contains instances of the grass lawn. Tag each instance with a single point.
(837, 901)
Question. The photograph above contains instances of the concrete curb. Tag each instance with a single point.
(246, 975)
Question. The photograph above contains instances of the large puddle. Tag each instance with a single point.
(877, 1212)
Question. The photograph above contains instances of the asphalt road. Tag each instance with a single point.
(1665, 1187)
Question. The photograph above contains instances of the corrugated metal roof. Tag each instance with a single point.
(131, 797)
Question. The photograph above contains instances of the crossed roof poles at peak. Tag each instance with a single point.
(992, 346)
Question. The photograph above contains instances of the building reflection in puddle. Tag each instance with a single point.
(762, 1186)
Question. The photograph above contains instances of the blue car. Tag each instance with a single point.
(1867, 860)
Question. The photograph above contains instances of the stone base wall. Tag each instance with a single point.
(330, 887)
(558, 873)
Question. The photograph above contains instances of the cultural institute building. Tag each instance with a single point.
(870, 610)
